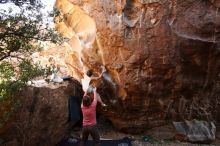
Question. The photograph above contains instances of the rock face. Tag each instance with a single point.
(162, 57)
(42, 119)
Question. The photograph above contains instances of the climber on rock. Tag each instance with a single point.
(89, 80)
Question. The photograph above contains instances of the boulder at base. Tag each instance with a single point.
(42, 119)
(197, 131)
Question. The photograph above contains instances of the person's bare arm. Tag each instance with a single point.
(99, 98)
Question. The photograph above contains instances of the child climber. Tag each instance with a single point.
(89, 80)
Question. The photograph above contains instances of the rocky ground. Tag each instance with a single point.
(160, 136)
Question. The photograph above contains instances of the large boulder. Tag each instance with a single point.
(162, 57)
(42, 117)
(196, 131)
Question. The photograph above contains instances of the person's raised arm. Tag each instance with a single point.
(98, 98)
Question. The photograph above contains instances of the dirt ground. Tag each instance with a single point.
(160, 136)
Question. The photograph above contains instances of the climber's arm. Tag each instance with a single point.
(98, 98)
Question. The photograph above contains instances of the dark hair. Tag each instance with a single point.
(86, 101)
(89, 73)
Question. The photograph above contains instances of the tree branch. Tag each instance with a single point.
(12, 34)
(5, 55)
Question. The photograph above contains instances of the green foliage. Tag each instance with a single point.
(12, 81)
(20, 36)
(54, 13)
(6, 71)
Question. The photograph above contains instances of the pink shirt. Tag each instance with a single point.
(89, 113)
